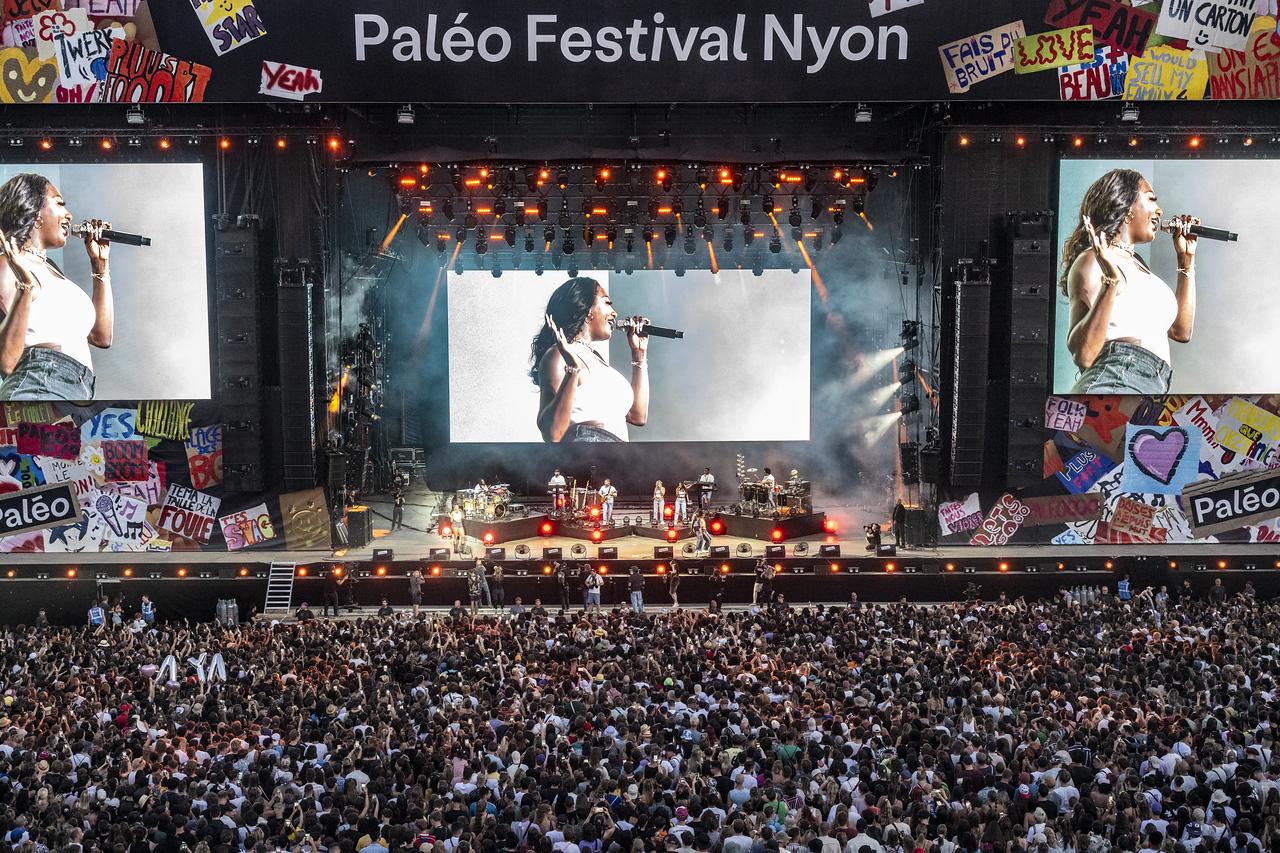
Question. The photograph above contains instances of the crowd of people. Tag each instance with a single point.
(1068, 725)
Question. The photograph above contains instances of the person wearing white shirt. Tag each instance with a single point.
(708, 483)
(682, 503)
(771, 484)
(608, 492)
(659, 501)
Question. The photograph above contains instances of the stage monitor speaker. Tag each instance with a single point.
(909, 457)
(498, 553)
(887, 551)
(439, 554)
(610, 553)
(828, 551)
(775, 552)
(719, 552)
(551, 553)
(387, 554)
(359, 529)
(662, 552)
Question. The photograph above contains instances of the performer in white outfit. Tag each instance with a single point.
(597, 403)
(659, 500)
(682, 503)
(607, 493)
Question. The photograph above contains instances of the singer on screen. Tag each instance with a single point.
(48, 321)
(1122, 314)
(583, 399)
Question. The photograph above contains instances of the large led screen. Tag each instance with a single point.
(140, 334)
(1212, 332)
(740, 373)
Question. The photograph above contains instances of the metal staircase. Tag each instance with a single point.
(279, 589)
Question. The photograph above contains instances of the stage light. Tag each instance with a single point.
(546, 570)
(488, 537)
(405, 115)
(794, 219)
(724, 568)
(500, 207)
(1222, 564)
(775, 243)
(672, 534)
(77, 142)
(964, 141)
(1004, 567)
(1077, 142)
(1101, 139)
(1020, 141)
(381, 571)
(1247, 141)
(1048, 137)
(567, 246)
(995, 139)
(72, 572)
(224, 143)
(728, 240)
(435, 571)
(1133, 142)
(776, 534)
(830, 526)
(726, 175)
(664, 179)
(164, 144)
(1109, 565)
(816, 207)
(335, 145)
(862, 115)
(562, 178)
(767, 205)
(669, 235)
(106, 144)
(281, 143)
(689, 246)
(301, 571)
(182, 572)
(716, 526)
(951, 567)
(890, 567)
(1193, 142)
(46, 144)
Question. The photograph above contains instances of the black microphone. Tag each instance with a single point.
(113, 236)
(655, 331)
(1202, 231)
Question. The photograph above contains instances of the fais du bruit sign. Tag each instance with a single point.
(35, 509)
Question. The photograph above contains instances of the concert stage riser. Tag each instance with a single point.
(500, 531)
(792, 527)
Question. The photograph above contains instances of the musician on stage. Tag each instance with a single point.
(607, 494)
(794, 479)
(481, 488)
(456, 517)
(659, 501)
(556, 488)
(682, 502)
(771, 484)
(708, 483)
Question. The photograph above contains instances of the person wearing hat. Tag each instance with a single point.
(304, 613)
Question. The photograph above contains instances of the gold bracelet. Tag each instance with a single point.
(24, 287)
(1110, 282)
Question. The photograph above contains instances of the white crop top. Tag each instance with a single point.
(61, 314)
(603, 395)
(1143, 311)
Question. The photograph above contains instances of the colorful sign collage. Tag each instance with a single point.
(1099, 49)
(1139, 470)
(113, 470)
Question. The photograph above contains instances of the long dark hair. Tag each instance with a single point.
(568, 306)
(1106, 203)
(21, 200)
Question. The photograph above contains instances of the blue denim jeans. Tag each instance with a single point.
(637, 601)
(46, 374)
(587, 433)
(1123, 368)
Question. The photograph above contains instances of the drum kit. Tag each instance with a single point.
(792, 498)
(491, 504)
(572, 501)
